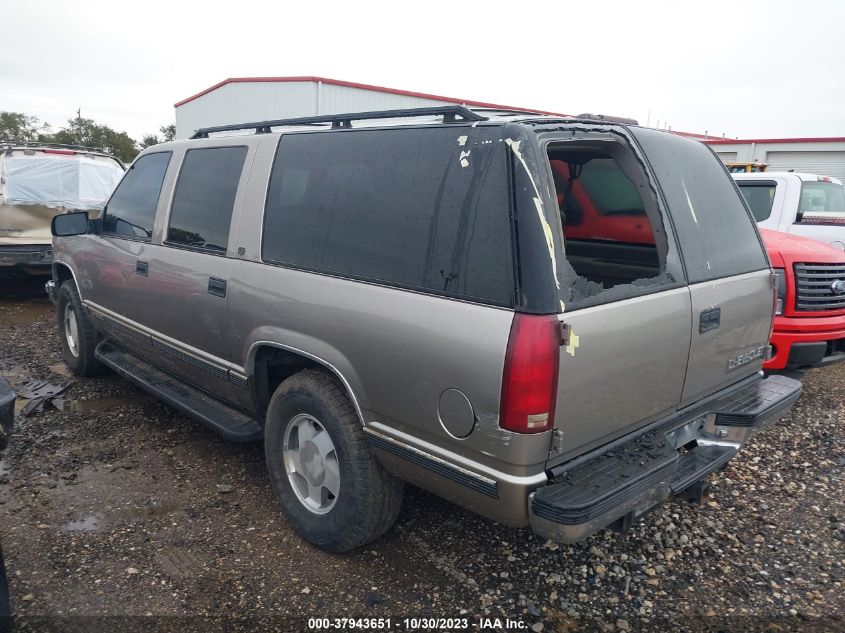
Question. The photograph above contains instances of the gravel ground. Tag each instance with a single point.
(119, 513)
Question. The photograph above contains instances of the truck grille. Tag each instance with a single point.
(816, 287)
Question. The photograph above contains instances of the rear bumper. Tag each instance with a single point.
(802, 343)
(37, 257)
(628, 478)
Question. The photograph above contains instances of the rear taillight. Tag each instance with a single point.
(529, 381)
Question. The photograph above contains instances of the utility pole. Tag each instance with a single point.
(78, 134)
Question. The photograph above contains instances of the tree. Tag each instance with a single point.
(149, 140)
(16, 126)
(168, 133)
(87, 132)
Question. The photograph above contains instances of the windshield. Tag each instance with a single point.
(822, 197)
(53, 181)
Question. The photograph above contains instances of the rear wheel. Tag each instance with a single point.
(77, 334)
(332, 489)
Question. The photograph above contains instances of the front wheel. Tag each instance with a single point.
(77, 334)
(330, 486)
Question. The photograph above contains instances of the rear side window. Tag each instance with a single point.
(205, 197)
(717, 235)
(131, 211)
(760, 195)
(422, 209)
(615, 241)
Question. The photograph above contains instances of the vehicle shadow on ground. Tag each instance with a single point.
(17, 288)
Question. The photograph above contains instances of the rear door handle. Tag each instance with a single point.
(710, 320)
(217, 287)
(142, 268)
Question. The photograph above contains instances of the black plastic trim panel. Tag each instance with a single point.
(190, 360)
(440, 468)
(161, 346)
(239, 381)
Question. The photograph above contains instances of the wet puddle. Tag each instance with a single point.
(142, 510)
(15, 314)
(88, 524)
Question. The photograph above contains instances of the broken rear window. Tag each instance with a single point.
(615, 239)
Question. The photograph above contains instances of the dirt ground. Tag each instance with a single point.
(119, 514)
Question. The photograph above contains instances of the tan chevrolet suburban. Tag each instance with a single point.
(410, 296)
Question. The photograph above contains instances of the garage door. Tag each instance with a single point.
(821, 163)
(726, 156)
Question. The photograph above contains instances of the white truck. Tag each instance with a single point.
(802, 204)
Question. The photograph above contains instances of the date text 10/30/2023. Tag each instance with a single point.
(416, 624)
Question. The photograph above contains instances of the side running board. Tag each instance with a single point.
(229, 422)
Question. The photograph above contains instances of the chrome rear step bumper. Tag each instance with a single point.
(629, 479)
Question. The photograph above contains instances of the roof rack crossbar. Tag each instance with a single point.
(450, 114)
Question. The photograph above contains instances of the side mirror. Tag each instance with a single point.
(70, 224)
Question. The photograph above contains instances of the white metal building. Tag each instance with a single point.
(247, 99)
(244, 99)
(824, 156)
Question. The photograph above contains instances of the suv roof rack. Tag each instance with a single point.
(6, 144)
(509, 111)
(450, 115)
(607, 118)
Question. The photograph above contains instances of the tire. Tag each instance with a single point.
(367, 498)
(78, 347)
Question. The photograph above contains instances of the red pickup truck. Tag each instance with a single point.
(810, 319)
(809, 326)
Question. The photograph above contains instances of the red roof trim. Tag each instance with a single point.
(351, 84)
(808, 139)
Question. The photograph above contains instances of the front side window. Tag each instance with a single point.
(760, 195)
(131, 211)
(205, 198)
(422, 209)
(821, 198)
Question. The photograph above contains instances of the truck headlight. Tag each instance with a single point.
(780, 299)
